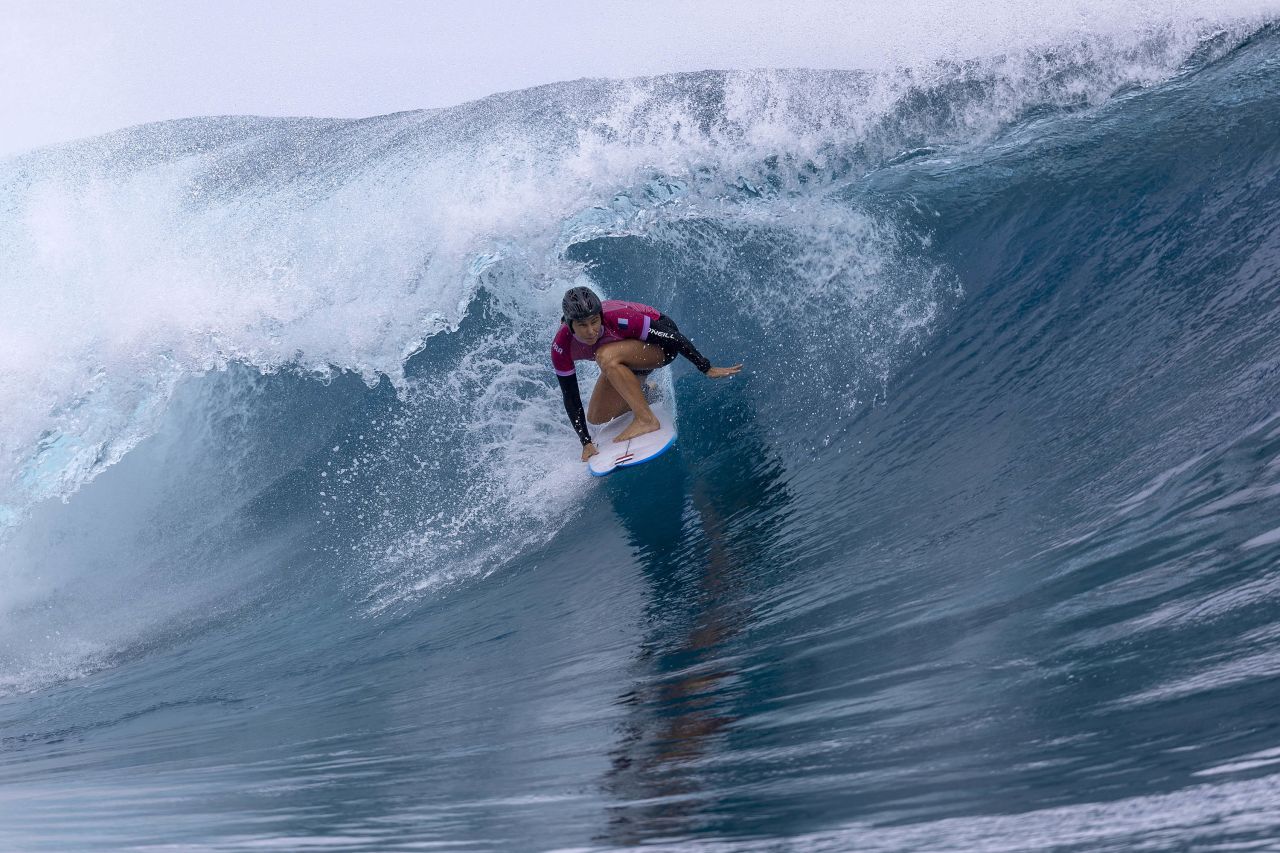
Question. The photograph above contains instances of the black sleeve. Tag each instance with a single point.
(573, 405)
(664, 333)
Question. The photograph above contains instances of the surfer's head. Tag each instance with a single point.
(589, 330)
(580, 303)
(582, 309)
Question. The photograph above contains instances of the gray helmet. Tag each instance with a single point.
(580, 303)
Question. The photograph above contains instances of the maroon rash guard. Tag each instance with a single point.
(620, 321)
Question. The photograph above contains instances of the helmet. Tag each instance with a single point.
(580, 303)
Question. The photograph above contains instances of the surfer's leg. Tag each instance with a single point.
(618, 362)
(606, 403)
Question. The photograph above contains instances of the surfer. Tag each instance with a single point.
(628, 340)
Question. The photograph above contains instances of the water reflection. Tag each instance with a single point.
(695, 521)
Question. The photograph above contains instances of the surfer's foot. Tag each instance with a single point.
(638, 427)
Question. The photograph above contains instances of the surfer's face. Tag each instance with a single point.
(588, 330)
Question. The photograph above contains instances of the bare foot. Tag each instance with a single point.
(638, 427)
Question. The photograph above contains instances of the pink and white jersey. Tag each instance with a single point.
(620, 319)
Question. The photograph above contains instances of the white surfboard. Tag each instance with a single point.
(642, 448)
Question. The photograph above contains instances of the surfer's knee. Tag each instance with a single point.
(608, 356)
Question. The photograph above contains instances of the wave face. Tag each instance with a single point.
(982, 551)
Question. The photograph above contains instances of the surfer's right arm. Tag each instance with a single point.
(567, 375)
(577, 417)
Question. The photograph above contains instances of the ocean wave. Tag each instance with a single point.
(980, 546)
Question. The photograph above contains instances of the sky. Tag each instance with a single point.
(76, 68)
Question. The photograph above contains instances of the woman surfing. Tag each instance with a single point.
(628, 340)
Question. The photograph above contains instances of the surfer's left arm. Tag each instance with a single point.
(661, 332)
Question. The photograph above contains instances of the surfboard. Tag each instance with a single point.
(642, 448)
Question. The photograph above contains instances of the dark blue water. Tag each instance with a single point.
(982, 551)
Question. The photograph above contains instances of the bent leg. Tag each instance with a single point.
(606, 403)
(618, 362)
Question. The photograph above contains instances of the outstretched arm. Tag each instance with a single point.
(665, 334)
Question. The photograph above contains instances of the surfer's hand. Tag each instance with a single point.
(721, 372)
(589, 450)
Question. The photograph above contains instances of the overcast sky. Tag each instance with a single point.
(74, 68)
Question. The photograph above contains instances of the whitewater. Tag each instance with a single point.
(980, 552)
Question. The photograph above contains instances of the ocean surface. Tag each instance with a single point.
(981, 551)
